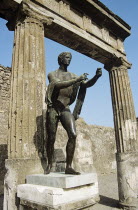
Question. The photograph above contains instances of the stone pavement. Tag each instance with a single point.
(108, 193)
(108, 190)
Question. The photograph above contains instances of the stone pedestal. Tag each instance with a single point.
(58, 191)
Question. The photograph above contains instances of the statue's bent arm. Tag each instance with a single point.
(63, 84)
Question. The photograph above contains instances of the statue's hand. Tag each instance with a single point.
(76, 116)
(99, 72)
(83, 77)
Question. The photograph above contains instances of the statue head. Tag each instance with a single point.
(64, 58)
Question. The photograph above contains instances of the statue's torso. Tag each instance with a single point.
(65, 96)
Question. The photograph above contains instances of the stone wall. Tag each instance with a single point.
(95, 145)
(5, 75)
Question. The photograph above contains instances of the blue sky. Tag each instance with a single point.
(97, 108)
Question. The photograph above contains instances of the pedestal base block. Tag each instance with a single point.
(62, 180)
(46, 197)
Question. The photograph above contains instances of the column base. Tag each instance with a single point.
(127, 183)
(128, 207)
(66, 191)
(3, 156)
(17, 170)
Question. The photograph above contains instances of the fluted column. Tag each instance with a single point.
(26, 141)
(27, 89)
(125, 131)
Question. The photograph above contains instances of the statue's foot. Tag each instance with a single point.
(48, 169)
(71, 171)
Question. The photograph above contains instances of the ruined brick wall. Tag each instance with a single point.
(5, 77)
(95, 145)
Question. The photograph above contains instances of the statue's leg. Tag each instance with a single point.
(68, 122)
(51, 127)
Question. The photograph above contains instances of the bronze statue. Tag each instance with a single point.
(62, 92)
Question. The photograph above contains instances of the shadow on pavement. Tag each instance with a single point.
(106, 201)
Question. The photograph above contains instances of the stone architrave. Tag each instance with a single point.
(125, 131)
(26, 140)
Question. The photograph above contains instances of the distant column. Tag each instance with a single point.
(125, 131)
(27, 89)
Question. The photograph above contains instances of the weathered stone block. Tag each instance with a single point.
(54, 197)
(17, 170)
(61, 180)
(81, 204)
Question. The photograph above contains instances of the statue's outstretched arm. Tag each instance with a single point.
(82, 92)
(92, 81)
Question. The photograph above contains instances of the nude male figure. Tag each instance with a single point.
(62, 92)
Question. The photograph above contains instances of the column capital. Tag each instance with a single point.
(28, 13)
(117, 62)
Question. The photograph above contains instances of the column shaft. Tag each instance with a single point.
(27, 89)
(126, 135)
(123, 108)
